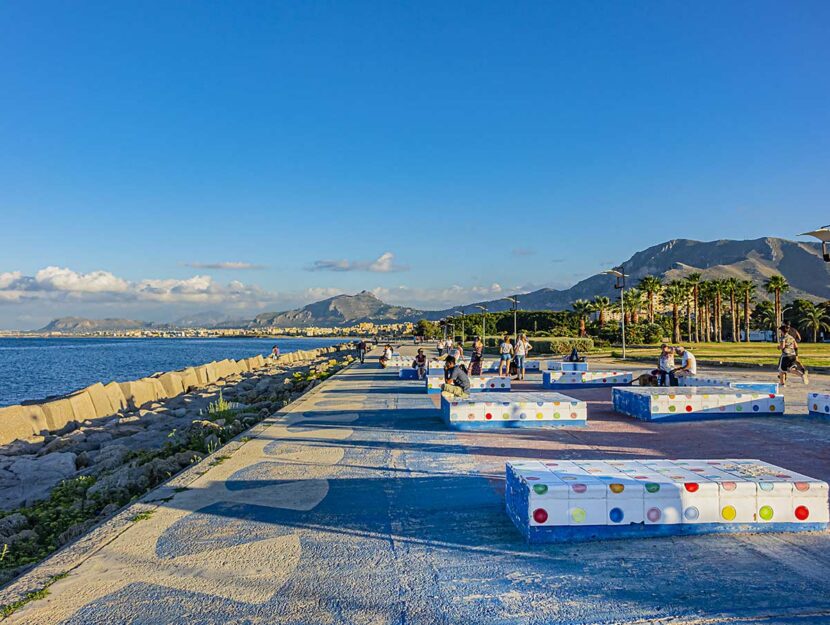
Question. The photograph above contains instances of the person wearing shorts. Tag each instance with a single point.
(505, 356)
(788, 361)
(523, 346)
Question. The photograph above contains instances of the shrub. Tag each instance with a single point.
(560, 345)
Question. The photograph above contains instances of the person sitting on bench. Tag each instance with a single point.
(456, 380)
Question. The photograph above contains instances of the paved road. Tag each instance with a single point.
(357, 506)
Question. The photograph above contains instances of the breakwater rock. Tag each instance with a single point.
(56, 483)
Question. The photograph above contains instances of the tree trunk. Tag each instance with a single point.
(746, 316)
(697, 314)
(733, 305)
(651, 307)
(718, 318)
(689, 317)
(675, 312)
(582, 326)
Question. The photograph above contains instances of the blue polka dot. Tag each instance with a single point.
(616, 515)
(756, 408)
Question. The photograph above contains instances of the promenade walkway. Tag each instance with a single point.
(358, 506)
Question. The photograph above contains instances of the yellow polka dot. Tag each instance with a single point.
(728, 513)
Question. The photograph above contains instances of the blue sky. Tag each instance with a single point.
(437, 152)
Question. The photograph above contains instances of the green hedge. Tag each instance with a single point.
(552, 344)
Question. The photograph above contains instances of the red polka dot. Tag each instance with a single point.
(692, 487)
(488, 416)
(688, 408)
(801, 513)
(540, 515)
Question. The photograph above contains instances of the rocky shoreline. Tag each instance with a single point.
(55, 486)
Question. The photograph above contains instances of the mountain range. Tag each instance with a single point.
(756, 260)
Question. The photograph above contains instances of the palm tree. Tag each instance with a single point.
(651, 285)
(717, 292)
(582, 308)
(689, 289)
(814, 319)
(674, 294)
(765, 315)
(777, 285)
(633, 301)
(730, 287)
(746, 288)
(693, 280)
(706, 297)
(601, 305)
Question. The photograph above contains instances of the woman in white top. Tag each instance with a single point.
(458, 352)
(505, 356)
(520, 351)
(665, 365)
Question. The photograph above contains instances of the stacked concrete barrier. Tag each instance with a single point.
(100, 401)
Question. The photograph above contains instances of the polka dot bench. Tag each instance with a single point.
(397, 361)
(478, 384)
(493, 365)
(561, 365)
(694, 403)
(559, 501)
(584, 379)
(761, 387)
(489, 410)
(818, 405)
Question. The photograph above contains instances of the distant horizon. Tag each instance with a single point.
(466, 304)
(168, 158)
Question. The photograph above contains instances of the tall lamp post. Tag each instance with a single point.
(483, 327)
(619, 274)
(463, 334)
(515, 302)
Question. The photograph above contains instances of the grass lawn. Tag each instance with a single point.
(811, 354)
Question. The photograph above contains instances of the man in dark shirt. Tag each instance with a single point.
(457, 382)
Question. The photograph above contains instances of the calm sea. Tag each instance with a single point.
(36, 368)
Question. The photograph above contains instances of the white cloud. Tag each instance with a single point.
(231, 265)
(385, 263)
(444, 297)
(63, 284)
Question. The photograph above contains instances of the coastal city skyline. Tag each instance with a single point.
(198, 159)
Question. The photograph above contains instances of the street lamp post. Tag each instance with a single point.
(483, 326)
(463, 333)
(619, 274)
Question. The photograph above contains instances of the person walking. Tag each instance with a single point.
(441, 345)
(788, 361)
(521, 350)
(361, 350)
(505, 356)
(456, 380)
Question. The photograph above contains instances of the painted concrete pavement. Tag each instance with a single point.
(358, 506)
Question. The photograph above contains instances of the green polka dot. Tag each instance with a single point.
(540, 489)
(672, 408)
(652, 487)
(556, 415)
(765, 513)
(739, 408)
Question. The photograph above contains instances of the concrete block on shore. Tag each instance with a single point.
(189, 378)
(100, 400)
(212, 372)
(58, 413)
(116, 396)
(138, 393)
(260, 361)
(82, 406)
(172, 383)
(243, 365)
(21, 422)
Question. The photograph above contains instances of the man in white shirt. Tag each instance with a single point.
(688, 362)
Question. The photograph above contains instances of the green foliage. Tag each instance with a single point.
(427, 329)
(142, 516)
(561, 345)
